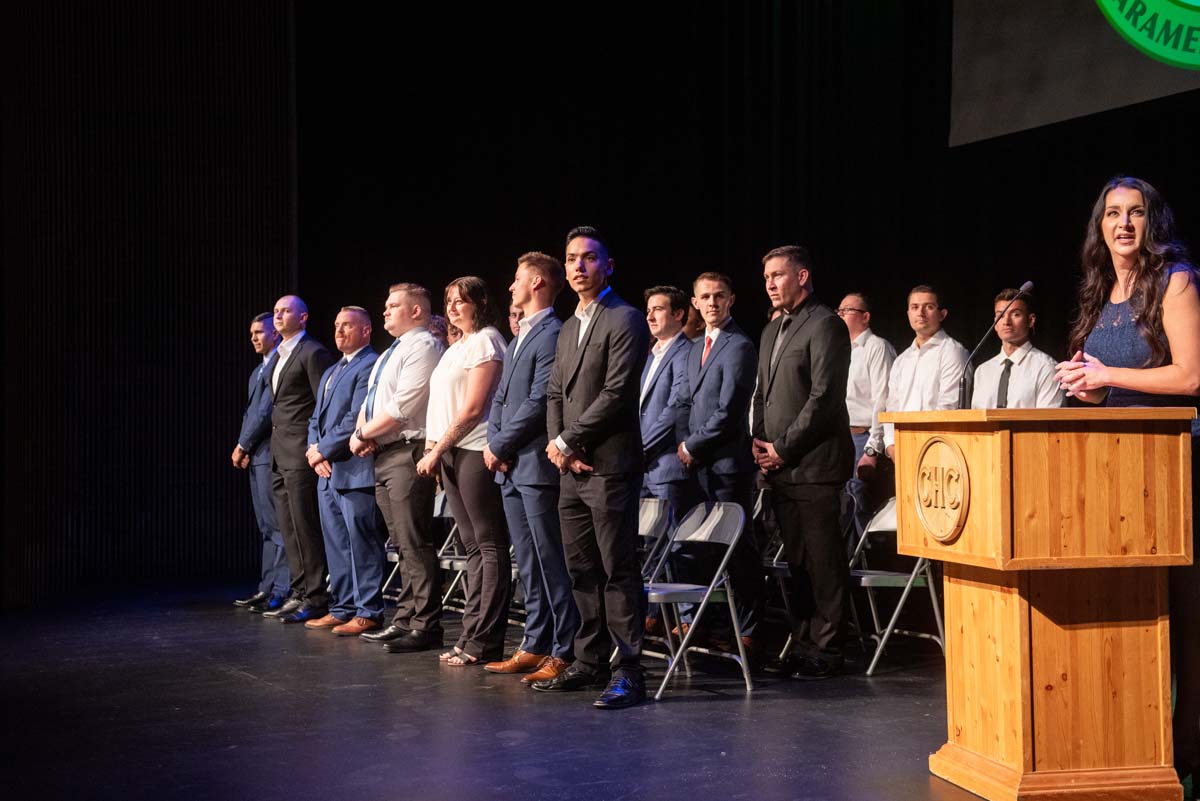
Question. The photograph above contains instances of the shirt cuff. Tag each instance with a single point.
(562, 446)
(889, 435)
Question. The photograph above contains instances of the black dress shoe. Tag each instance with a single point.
(627, 688)
(570, 680)
(414, 641)
(286, 608)
(305, 613)
(814, 668)
(269, 604)
(782, 667)
(392, 632)
(253, 599)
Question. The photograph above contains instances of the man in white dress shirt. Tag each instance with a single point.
(926, 376)
(871, 358)
(391, 425)
(1020, 376)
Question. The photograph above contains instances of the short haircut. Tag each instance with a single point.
(928, 290)
(548, 267)
(416, 293)
(590, 232)
(1006, 295)
(866, 302)
(718, 277)
(677, 297)
(366, 315)
(264, 317)
(474, 289)
(797, 255)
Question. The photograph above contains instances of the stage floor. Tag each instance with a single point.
(181, 696)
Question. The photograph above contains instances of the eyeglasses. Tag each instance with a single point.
(844, 310)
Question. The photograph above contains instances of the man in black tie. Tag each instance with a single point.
(596, 443)
(802, 444)
(294, 384)
(253, 454)
(1020, 376)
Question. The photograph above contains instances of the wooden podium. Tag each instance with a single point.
(1057, 527)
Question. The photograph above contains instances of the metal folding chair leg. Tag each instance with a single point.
(920, 570)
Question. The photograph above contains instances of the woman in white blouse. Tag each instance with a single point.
(460, 397)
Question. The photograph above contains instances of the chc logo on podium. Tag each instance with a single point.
(943, 489)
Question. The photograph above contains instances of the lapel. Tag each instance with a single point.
(717, 347)
(510, 359)
(576, 358)
(681, 342)
(290, 365)
(797, 323)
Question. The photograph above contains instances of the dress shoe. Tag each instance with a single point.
(627, 688)
(414, 641)
(570, 680)
(305, 613)
(520, 662)
(253, 599)
(286, 608)
(387, 634)
(268, 604)
(551, 667)
(814, 668)
(356, 626)
(327, 622)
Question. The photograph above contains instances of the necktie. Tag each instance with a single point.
(387, 354)
(1002, 391)
(337, 371)
(783, 327)
(707, 347)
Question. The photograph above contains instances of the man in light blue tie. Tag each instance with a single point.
(253, 454)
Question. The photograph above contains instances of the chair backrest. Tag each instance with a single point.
(441, 508)
(884, 519)
(722, 524)
(654, 515)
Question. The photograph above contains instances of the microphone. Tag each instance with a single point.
(963, 400)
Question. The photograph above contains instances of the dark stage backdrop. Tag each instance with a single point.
(148, 187)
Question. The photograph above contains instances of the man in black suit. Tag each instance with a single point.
(294, 382)
(596, 443)
(802, 444)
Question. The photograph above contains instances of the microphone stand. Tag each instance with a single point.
(963, 401)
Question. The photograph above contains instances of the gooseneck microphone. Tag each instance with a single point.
(963, 401)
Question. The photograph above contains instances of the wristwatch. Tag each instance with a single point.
(869, 451)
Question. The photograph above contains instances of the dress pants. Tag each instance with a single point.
(474, 500)
(551, 618)
(745, 566)
(354, 542)
(406, 501)
(857, 487)
(599, 516)
(275, 579)
(812, 543)
(300, 521)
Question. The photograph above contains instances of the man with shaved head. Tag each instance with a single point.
(294, 384)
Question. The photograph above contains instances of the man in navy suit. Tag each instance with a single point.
(664, 403)
(720, 375)
(350, 520)
(295, 380)
(516, 451)
(253, 454)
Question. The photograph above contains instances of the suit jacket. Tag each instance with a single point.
(592, 398)
(664, 411)
(335, 418)
(800, 404)
(720, 390)
(295, 400)
(517, 423)
(255, 436)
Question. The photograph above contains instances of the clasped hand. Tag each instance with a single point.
(1083, 376)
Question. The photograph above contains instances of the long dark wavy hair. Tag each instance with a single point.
(1160, 250)
(475, 289)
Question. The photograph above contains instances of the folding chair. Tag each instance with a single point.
(654, 520)
(391, 587)
(884, 521)
(723, 524)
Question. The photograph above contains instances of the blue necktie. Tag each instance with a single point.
(337, 371)
(387, 354)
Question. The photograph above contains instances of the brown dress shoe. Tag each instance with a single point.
(327, 622)
(520, 662)
(550, 668)
(355, 627)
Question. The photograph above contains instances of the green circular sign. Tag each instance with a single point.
(1165, 30)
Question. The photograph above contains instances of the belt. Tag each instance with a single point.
(859, 429)
(398, 443)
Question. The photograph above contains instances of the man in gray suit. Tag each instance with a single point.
(802, 444)
(596, 444)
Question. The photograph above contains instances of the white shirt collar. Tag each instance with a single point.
(934, 341)
(349, 357)
(286, 347)
(587, 311)
(714, 332)
(526, 324)
(1018, 355)
(861, 339)
(663, 345)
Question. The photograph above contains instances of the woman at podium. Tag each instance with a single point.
(1136, 342)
